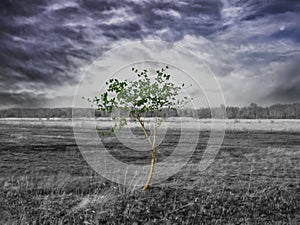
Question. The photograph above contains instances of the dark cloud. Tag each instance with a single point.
(41, 40)
(130, 30)
(29, 99)
(255, 9)
(39, 44)
(47, 42)
(290, 32)
(18, 8)
(287, 88)
(194, 17)
(257, 20)
(22, 99)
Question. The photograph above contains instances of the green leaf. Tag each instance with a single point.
(139, 96)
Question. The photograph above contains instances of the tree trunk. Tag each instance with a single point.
(146, 186)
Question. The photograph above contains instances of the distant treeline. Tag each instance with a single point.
(253, 111)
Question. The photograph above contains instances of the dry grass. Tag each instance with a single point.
(253, 180)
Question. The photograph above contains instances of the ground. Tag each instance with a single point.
(254, 179)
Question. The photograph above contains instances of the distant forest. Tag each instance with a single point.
(253, 111)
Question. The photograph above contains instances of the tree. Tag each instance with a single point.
(141, 96)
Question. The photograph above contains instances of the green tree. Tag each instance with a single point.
(141, 96)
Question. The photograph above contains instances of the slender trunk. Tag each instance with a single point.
(143, 128)
(146, 186)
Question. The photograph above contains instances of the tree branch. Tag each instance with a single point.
(145, 132)
(154, 133)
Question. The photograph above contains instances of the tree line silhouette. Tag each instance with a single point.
(253, 111)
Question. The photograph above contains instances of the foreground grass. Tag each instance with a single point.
(255, 179)
(95, 201)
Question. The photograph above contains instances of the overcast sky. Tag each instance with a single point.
(252, 46)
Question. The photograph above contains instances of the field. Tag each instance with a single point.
(254, 179)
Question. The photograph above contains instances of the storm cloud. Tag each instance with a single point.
(45, 44)
(287, 84)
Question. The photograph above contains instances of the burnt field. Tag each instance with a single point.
(254, 179)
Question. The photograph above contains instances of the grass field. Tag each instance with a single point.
(255, 179)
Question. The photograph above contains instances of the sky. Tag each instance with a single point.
(251, 46)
